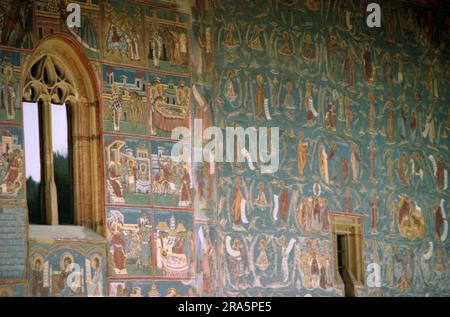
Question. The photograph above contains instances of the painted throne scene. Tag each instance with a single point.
(224, 148)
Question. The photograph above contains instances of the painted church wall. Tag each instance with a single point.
(363, 117)
(364, 122)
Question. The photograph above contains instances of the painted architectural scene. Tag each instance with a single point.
(123, 35)
(168, 41)
(125, 100)
(170, 103)
(51, 17)
(174, 244)
(127, 171)
(12, 169)
(17, 28)
(172, 181)
(130, 241)
(88, 34)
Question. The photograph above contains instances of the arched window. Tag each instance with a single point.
(61, 123)
(37, 124)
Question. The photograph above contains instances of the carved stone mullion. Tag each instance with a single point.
(76, 153)
(49, 186)
(97, 214)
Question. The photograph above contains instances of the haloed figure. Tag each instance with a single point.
(116, 106)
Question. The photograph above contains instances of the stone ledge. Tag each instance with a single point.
(77, 233)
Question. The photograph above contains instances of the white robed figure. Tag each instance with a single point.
(425, 262)
(429, 128)
(236, 253)
(285, 252)
(157, 47)
(323, 164)
(95, 284)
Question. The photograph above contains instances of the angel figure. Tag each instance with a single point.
(285, 252)
(236, 253)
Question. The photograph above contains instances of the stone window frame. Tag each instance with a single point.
(58, 72)
(352, 226)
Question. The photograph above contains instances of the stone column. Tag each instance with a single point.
(49, 186)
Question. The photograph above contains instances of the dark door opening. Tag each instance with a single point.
(348, 259)
(340, 253)
(343, 265)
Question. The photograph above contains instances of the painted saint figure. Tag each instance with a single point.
(413, 125)
(308, 50)
(311, 112)
(284, 202)
(390, 122)
(144, 239)
(116, 106)
(37, 283)
(118, 249)
(348, 116)
(229, 38)
(355, 161)
(185, 192)
(312, 212)
(229, 92)
(323, 164)
(289, 102)
(302, 150)
(96, 285)
(371, 115)
(237, 202)
(262, 262)
(374, 205)
(286, 47)
(402, 122)
(255, 42)
(373, 161)
(207, 264)
(260, 95)
(330, 118)
(429, 131)
(403, 169)
(156, 48)
(261, 199)
(344, 170)
(367, 64)
(204, 59)
(8, 95)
